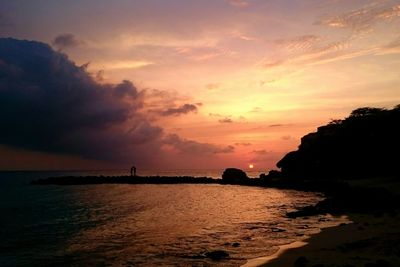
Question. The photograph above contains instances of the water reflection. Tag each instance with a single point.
(176, 224)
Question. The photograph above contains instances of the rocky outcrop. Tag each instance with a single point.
(365, 144)
(234, 176)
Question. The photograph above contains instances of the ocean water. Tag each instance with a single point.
(146, 225)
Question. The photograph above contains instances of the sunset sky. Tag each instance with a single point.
(197, 84)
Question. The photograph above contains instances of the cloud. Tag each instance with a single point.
(243, 144)
(390, 48)
(122, 64)
(193, 147)
(215, 115)
(362, 20)
(49, 104)
(202, 53)
(272, 63)
(262, 156)
(184, 109)
(260, 152)
(213, 86)
(299, 43)
(241, 36)
(310, 50)
(322, 53)
(238, 3)
(66, 40)
(287, 137)
(278, 125)
(225, 120)
(256, 109)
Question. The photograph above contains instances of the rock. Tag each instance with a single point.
(378, 263)
(236, 244)
(233, 175)
(301, 262)
(217, 254)
(277, 230)
(274, 174)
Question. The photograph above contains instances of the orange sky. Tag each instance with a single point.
(261, 74)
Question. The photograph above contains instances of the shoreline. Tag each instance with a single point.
(261, 261)
(369, 240)
(286, 248)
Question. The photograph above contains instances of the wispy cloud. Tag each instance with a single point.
(193, 147)
(299, 43)
(213, 86)
(243, 144)
(225, 120)
(331, 52)
(260, 152)
(66, 40)
(262, 156)
(121, 64)
(202, 53)
(242, 36)
(363, 19)
(390, 48)
(184, 109)
(238, 3)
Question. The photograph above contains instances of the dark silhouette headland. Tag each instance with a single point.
(364, 145)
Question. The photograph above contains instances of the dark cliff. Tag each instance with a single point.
(365, 144)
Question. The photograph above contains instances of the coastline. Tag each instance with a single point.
(369, 240)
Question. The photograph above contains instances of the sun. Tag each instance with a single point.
(251, 166)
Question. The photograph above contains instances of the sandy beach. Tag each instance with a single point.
(370, 240)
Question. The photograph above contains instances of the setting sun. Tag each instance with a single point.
(251, 166)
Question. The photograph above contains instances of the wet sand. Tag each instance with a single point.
(370, 240)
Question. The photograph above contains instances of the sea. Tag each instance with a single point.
(147, 225)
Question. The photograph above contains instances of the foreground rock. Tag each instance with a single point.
(217, 254)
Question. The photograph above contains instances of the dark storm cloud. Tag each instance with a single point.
(196, 148)
(184, 109)
(47, 103)
(66, 40)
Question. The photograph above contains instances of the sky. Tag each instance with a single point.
(168, 84)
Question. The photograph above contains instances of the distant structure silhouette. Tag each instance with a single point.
(133, 171)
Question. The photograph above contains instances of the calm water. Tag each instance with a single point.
(145, 225)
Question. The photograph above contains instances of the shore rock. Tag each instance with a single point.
(217, 254)
(233, 175)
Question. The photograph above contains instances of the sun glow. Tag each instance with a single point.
(251, 166)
